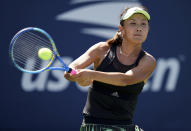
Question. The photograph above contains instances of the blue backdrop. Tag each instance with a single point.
(49, 101)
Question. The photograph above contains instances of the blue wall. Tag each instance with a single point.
(49, 101)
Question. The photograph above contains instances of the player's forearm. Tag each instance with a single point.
(114, 78)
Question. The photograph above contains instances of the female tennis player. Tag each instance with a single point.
(121, 68)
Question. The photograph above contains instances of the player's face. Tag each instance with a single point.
(135, 29)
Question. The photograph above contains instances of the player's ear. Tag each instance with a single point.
(120, 27)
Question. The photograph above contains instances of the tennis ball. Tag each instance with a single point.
(45, 54)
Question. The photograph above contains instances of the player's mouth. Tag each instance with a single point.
(137, 35)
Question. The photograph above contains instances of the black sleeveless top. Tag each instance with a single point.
(109, 104)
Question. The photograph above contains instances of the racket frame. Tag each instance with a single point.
(55, 53)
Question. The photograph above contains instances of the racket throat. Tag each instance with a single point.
(69, 71)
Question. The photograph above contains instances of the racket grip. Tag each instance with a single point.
(72, 71)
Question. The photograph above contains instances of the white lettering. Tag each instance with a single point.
(39, 82)
(61, 83)
(171, 65)
(168, 69)
(27, 82)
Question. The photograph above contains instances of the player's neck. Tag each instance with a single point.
(128, 49)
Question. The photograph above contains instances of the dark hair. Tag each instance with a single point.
(117, 38)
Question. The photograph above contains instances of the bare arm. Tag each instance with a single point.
(137, 74)
(92, 55)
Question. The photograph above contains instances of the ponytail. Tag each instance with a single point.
(116, 40)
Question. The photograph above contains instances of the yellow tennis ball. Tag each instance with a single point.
(45, 54)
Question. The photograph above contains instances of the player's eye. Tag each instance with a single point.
(132, 23)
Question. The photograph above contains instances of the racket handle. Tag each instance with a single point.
(72, 71)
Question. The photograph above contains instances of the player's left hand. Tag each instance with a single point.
(83, 77)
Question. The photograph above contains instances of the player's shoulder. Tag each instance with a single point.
(101, 46)
(148, 58)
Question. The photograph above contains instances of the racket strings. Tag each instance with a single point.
(33, 37)
(24, 62)
(30, 46)
(25, 50)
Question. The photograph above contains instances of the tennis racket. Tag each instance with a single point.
(24, 48)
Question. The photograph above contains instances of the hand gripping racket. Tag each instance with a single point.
(24, 49)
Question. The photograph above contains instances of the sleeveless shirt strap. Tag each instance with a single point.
(108, 59)
(141, 54)
(112, 53)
